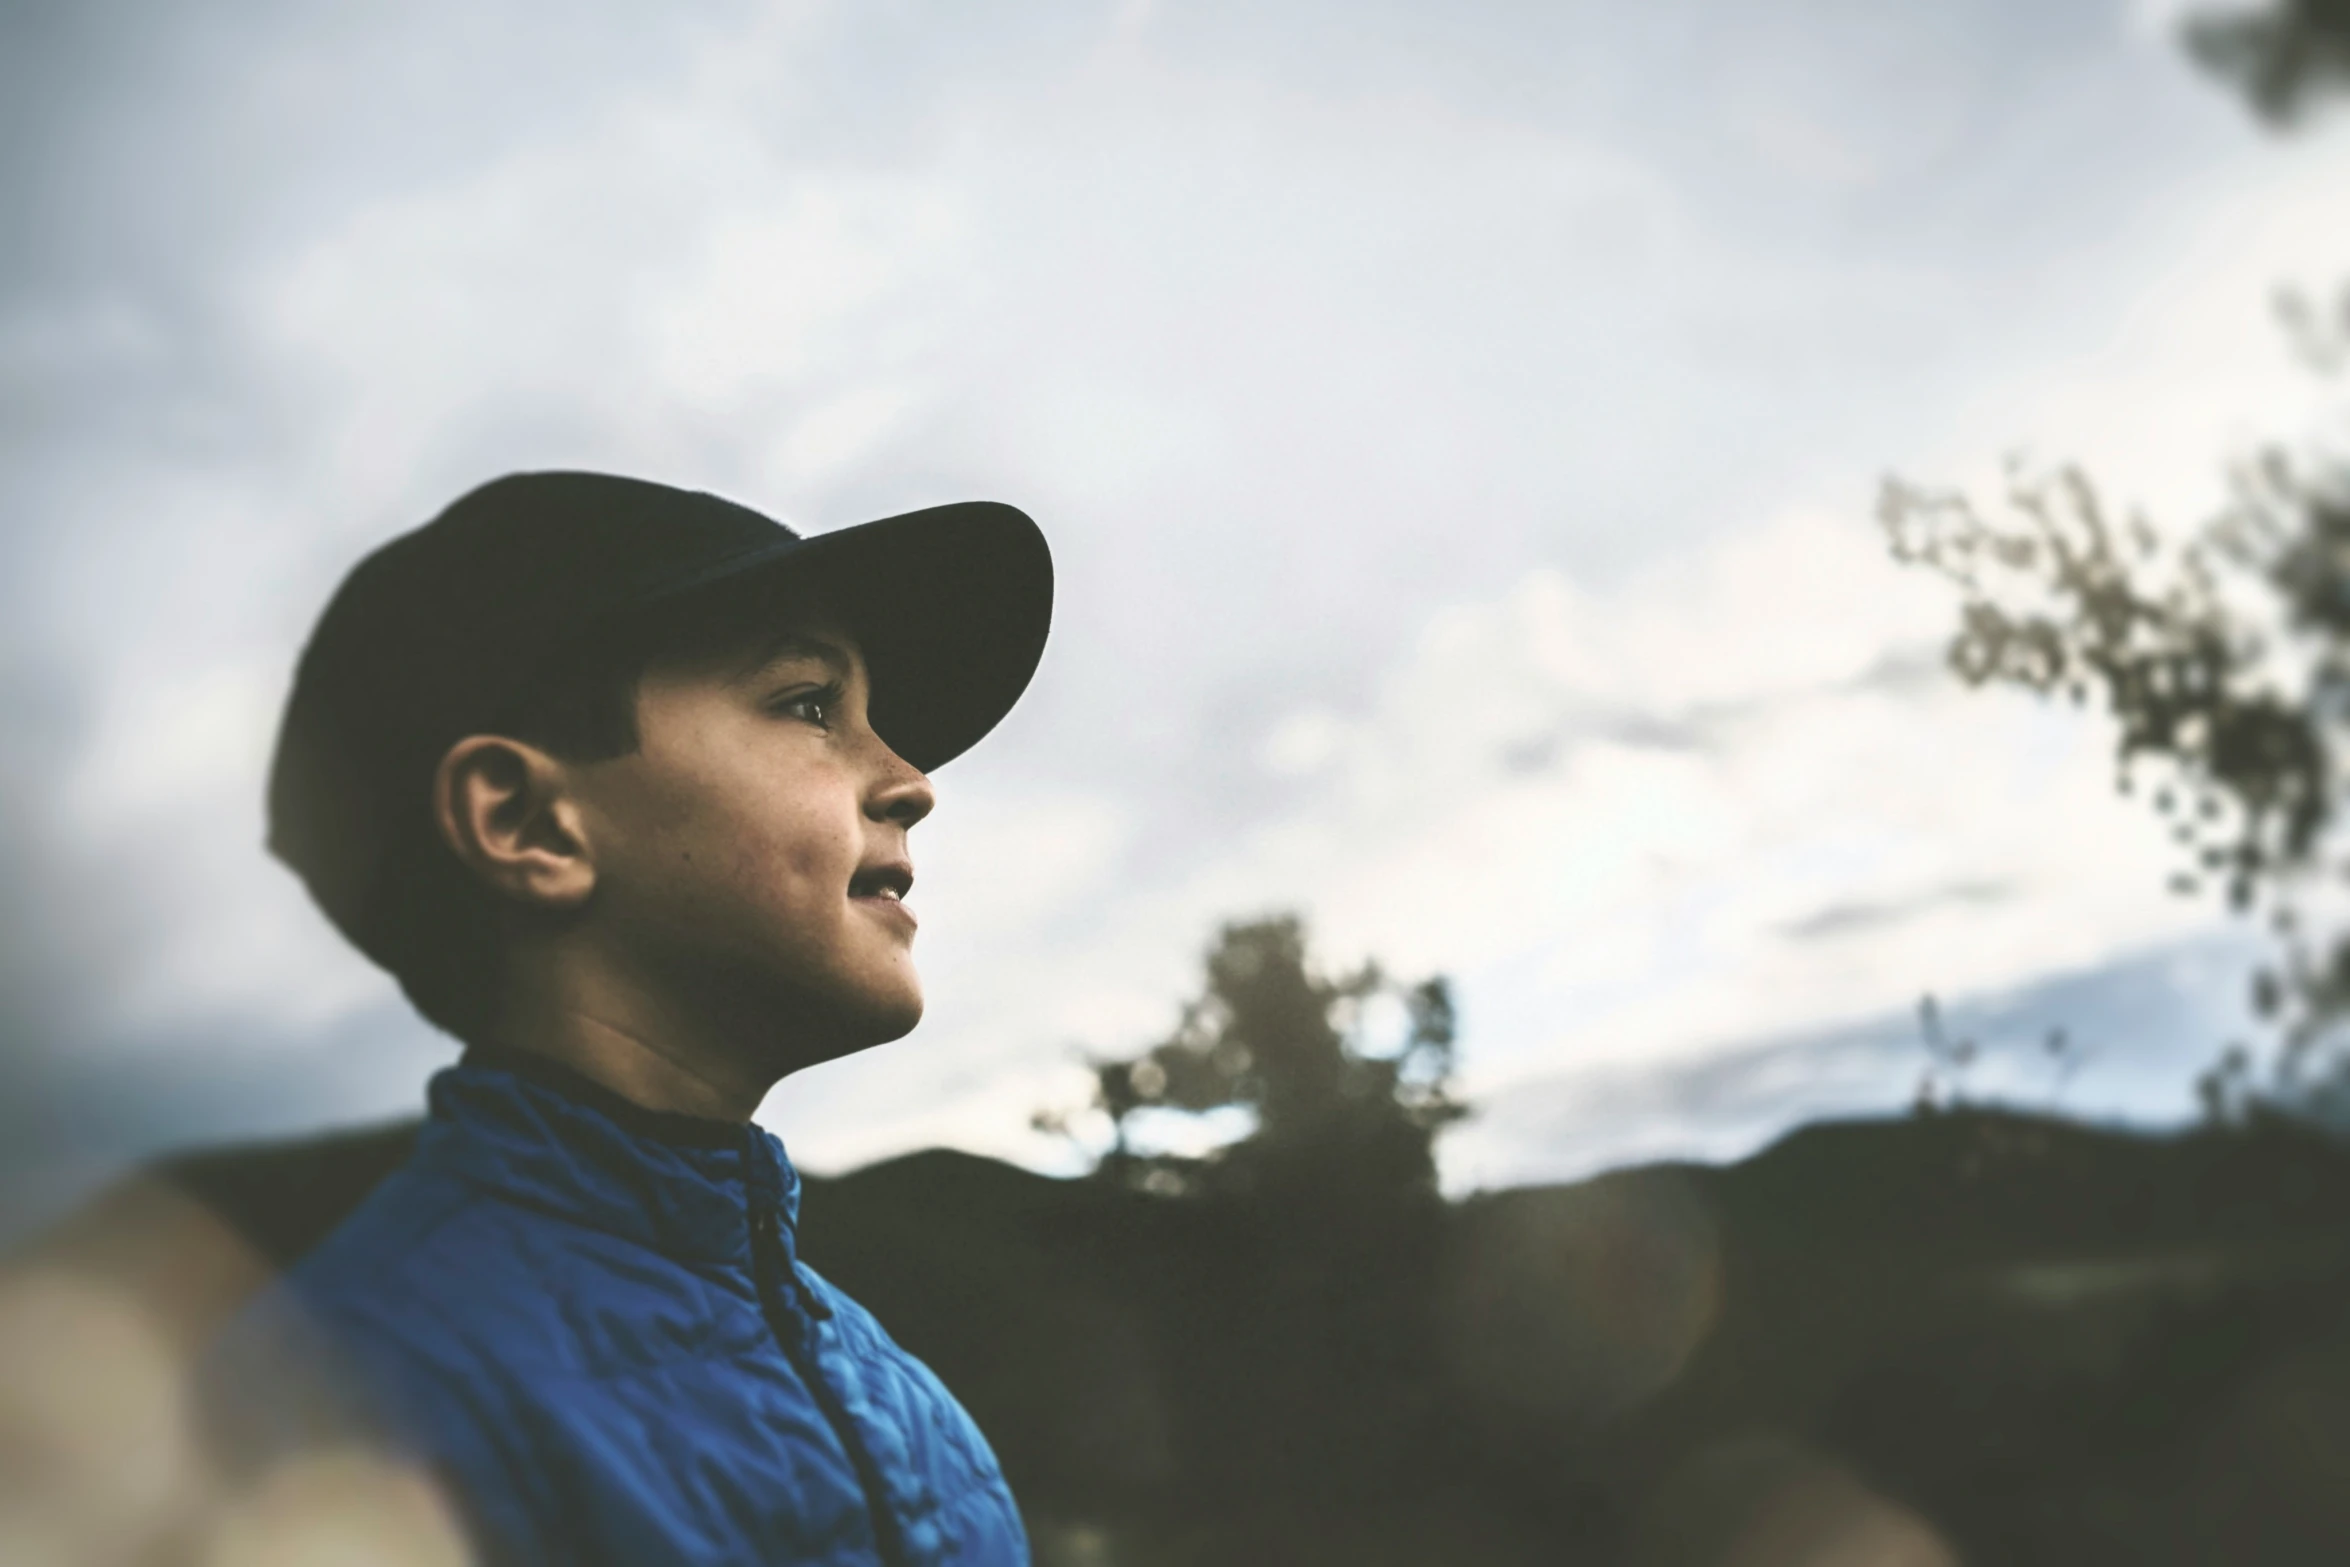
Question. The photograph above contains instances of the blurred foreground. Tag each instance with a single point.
(1968, 1336)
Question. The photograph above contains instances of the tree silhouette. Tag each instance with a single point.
(1295, 1264)
(1295, 1050)
(2224, 659)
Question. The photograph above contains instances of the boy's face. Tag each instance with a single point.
(751, 854)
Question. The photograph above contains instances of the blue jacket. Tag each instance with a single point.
(591, 1318)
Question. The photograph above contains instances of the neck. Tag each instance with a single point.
(615, 1035)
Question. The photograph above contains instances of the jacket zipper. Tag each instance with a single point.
(778, 1272)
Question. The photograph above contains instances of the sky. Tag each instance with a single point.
(1457, 429)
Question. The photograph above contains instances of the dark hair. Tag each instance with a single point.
(451, 931)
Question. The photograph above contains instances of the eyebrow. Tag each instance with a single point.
(799, 644)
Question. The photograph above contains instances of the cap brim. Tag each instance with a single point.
(950, 607)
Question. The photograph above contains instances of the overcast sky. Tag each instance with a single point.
(1456, 427)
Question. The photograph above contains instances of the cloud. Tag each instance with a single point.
(1453, 427)
(1840, 919)
(1637, 902)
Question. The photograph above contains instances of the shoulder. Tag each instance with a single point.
(456, 1273)
(405, 1221)
(429, 1270)
(386, 1338)
(444, 1283)
(349, 1303)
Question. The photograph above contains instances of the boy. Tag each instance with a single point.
(616, 779)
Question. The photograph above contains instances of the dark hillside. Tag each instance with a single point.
(1972, 1336)
(2053, 1342)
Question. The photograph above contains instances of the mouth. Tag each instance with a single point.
(884, 887)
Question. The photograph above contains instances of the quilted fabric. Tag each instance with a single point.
(592, 1319)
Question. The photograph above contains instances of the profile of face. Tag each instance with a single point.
(755, 842)
(744, 869)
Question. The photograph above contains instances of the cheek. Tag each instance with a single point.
(733, 836)
(769, 846)
(792, 854)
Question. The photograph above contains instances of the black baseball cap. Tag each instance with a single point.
(444, 631)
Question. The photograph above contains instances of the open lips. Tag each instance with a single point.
(884, 884)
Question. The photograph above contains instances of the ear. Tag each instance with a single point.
(506, 810)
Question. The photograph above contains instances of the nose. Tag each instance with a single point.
(902, 794)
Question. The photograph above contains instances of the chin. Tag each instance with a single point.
(893, 1019)
(860, 1017)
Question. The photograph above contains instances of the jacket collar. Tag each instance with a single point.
(542, 1135)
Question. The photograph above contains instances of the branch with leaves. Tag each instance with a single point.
(2223, 662)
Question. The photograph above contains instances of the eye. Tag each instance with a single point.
(810, 706)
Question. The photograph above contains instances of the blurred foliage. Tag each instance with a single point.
(2223, 657)
(1296, 1052)
(2284, 57)
(1271, 1171)
(2224, 663)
